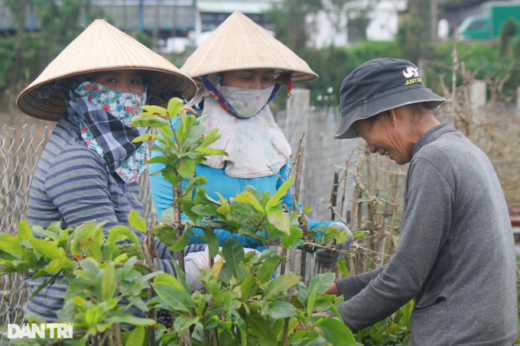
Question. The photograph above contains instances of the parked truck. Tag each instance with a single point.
(488, 25)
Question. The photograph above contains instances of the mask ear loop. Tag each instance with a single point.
(218, 97)
(283, 78)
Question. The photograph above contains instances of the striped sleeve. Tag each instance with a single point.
(77, 184)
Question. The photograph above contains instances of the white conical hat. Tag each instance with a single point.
(239, 44)
(101, 47)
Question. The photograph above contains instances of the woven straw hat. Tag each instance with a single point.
(101, 47)
(238, 44)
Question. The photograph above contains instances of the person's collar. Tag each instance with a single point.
(431, 136)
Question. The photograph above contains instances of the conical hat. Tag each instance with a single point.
(239, 44)
(101, 47)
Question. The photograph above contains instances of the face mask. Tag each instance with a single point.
(246, 102)
(123, 106)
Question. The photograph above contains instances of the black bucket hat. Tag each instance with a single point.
(377, 86)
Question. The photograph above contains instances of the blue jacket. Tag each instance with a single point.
(228, 187)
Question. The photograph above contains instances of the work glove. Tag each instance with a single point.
(324, 256)
(201, 258)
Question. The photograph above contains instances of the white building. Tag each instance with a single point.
(331, 25)
(328, 26)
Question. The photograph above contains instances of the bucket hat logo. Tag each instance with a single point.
(377, 86)
(410, 72)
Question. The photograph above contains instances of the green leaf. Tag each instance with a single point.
(174, 107)
(169, 174)
(265, 273)
(10, 243)
(290, 239)
(212, 322)
(183, 241)
(138, 302)
(170, 280)
(24, 231)
(306, 210)
(249, 198)
(90, 266)
(158, 159)
(342, 266)
(186, 167)
(280, 284)
(297, 336)
(165, 233)
(83, 231)
(336, 332)
(92, 249)
(335, 311)
(147, 137)
(261, 329)
(406, 313)
(312, 299)
(58, 265)
(323, 282)
(213, 288)
(46, 247)
(247, 288)
(154, 122)
(130, 319)
(359, 234)
(137, 221)
(180, 275)
(129, 266)
(121, 258)
(108, 285)
(205, 210)
(282, 310)
(196, 133)
(155, 110)
(212, 239)
(211, 151)
(196, 181)
(233, 253)
(224, 209)
(208, 139)
(121, 232)
(225, 273)
(176, 299)
(182, 323)
(282, 191)
(186, 206)
(243, 272)
(278, 219)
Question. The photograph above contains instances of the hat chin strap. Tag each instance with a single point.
(284, 78)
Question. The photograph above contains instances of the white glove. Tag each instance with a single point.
(201, 258)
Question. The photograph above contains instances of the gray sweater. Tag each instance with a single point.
(455, 255)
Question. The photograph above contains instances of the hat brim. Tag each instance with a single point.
(31, 104)
(369, 109)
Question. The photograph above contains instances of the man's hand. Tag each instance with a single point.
(324, 257)
(333, 290)
(309, 324)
